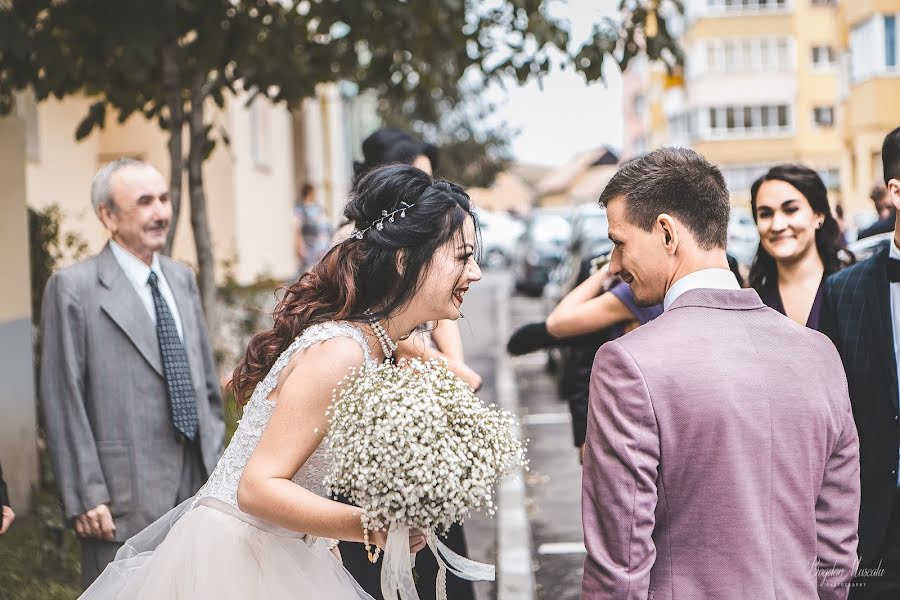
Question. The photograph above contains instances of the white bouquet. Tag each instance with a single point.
(414, 447)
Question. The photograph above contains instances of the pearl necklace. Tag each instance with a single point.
(388, 346)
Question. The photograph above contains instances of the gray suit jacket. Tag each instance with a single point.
(103, 394)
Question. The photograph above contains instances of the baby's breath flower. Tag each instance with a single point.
(412, 444)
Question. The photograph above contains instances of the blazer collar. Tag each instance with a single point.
(743, 299)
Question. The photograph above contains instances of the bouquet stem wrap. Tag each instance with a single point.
(396, 570)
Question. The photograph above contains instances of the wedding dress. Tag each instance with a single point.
(208, 548)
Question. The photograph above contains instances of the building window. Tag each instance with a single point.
(890, 41)
(823, 116)
(733, 6)
(831, 177)
(26, 107)
(259, 134)
(874, 48)
(823, 56)
(739, 178)
(748, 55)
(740, 120)
(824, 3)
(782, 115)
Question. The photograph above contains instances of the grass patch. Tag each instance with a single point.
(39, 555)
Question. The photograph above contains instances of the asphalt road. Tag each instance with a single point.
(553, 483)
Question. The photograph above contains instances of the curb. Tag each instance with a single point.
(515, 575)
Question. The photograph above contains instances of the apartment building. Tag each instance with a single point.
(869, 49)
(760, 87)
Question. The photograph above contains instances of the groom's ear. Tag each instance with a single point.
(670, 233)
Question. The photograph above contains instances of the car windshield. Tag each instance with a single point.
(595, 228)
(550, 228)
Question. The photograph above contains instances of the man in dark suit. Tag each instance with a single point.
(130, 394)
(861, 314)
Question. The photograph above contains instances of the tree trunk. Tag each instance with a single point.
(206, 275)
(172, 86)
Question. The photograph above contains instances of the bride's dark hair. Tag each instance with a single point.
(360, 274)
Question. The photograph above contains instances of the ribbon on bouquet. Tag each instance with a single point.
(396, 569)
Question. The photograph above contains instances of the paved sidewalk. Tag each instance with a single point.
(553, 485)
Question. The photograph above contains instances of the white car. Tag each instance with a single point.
(867, 246)
(743, 237)
(499, 235)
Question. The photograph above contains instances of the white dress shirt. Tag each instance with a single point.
(138, 273)
(716, 279)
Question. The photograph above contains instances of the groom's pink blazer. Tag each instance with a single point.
(722, 460)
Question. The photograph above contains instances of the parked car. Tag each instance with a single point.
(540, 249)
(500, 233)
(590, 239)
(867, 246)
(743, 236)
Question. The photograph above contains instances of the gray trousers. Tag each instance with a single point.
(96, 554)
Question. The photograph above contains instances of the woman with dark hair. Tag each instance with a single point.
(432, 339)
(262, 526)
(799, 242)
(440, 339)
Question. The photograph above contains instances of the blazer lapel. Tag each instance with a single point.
(878, 298)
(121, 302)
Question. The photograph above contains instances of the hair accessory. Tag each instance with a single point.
(379, 224)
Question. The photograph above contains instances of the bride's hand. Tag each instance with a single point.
(416, 539)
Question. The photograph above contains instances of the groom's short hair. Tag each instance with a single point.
(679, 182)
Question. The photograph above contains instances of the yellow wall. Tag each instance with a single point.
(61, 172)
(15, 292)
(855, 11)
(738, 27)
(63, 169)
(267, 195)
(18, 424)
(874, 104)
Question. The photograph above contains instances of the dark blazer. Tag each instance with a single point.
(104, 397)
(856, 315)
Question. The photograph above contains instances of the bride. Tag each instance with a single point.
(262, 526)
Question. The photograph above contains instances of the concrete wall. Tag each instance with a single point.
(264, 189)
(18, 425)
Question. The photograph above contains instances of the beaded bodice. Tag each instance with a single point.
(223, 483)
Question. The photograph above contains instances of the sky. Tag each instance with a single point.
(567, 116)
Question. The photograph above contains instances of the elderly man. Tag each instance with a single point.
(722, 459)
(131, 399)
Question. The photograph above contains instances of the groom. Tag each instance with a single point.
(721, 459)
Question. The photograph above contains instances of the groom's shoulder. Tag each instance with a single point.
(667, 326)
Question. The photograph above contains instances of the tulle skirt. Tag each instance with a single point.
(214, 551)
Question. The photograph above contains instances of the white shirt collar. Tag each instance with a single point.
(136, 269)
(717, 279)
